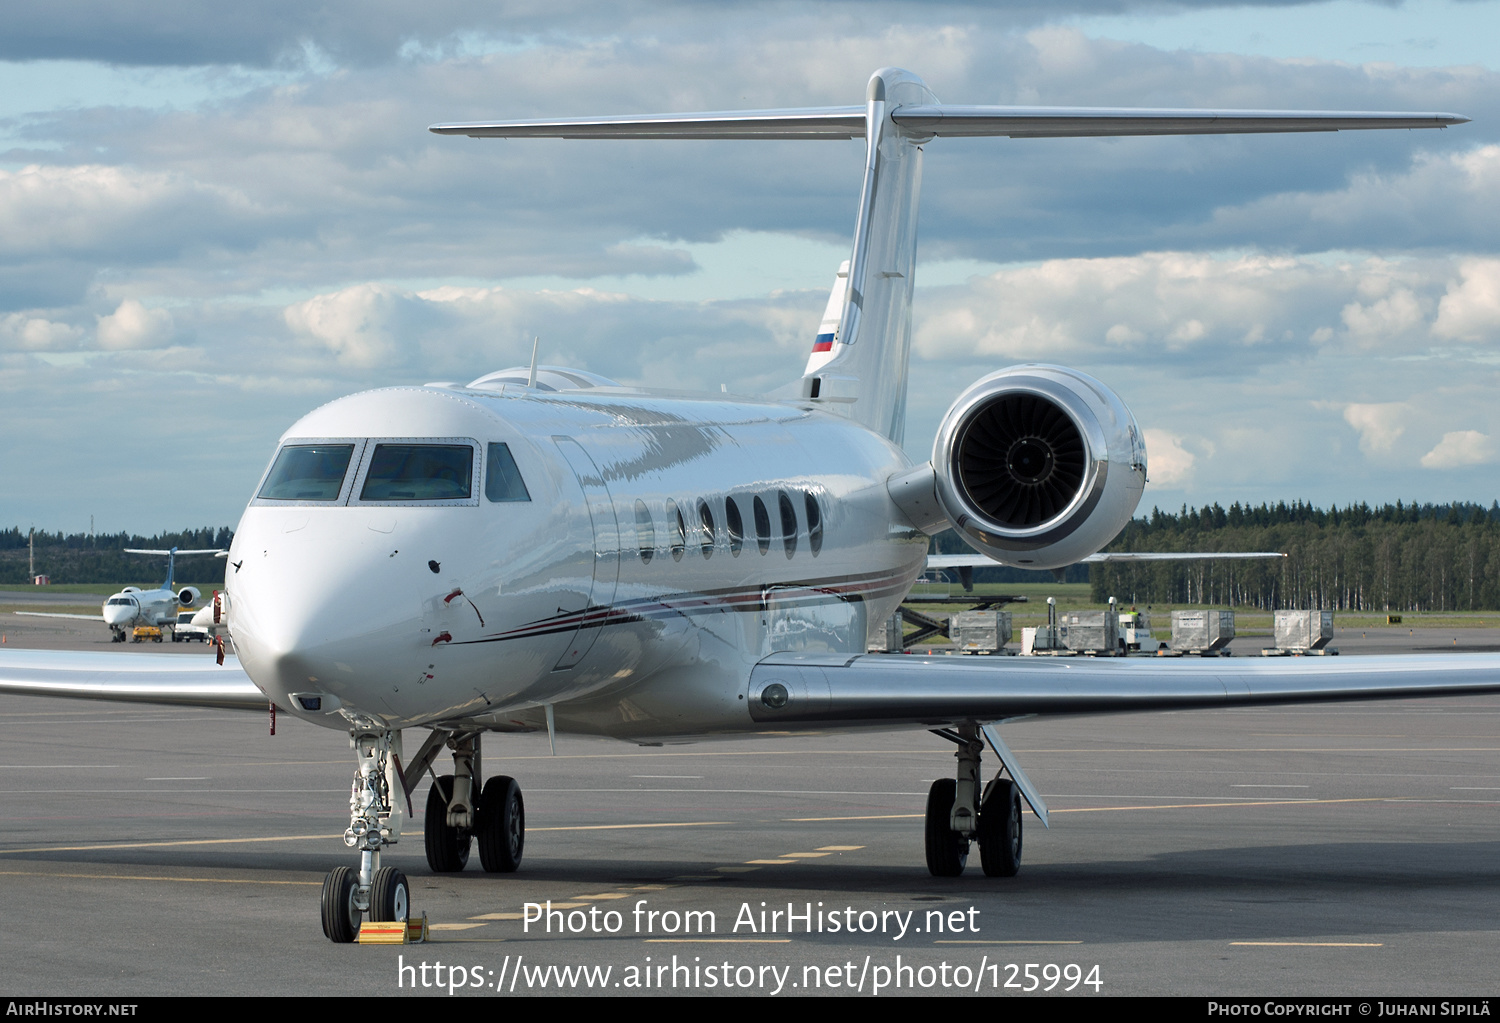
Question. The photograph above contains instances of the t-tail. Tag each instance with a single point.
(863, 372)
(189, 594)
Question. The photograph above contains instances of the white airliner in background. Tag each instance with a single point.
(543, 548)
(133, 606)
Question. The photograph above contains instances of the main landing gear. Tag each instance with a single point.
(454, 818)
(958, 813)
(375, 817)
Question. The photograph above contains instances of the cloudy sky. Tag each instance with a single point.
(215, 217)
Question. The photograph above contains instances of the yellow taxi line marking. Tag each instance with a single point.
(1195, 806)
(493, 916)
(1313, 944)
(166, 845)
(719, 941)
(452, 927)
(622, 827)
(804, 856)
(839, 848)
(767, 862)
(601, 896)
(1017, 941)
(150, 877)
(868, 817)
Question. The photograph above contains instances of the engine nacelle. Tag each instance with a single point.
(188, 596)
(1038, 466)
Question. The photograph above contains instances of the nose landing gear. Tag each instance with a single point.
(374, 822)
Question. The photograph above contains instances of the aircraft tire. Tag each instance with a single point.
(502, 825)
(1000, 830)
(947, 850)
(447, 847)
(390, 896)
(340, 915)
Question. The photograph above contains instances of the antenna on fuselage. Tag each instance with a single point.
(535, 347)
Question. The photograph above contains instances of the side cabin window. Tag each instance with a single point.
(308, 472)
(762, 525)
(706, 530)
(814, 524)
(645, 532)
(734, 525)
(676, 530)
(502, 480)
(419, 472)
(788, 523)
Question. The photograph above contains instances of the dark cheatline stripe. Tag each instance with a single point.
(869, 585)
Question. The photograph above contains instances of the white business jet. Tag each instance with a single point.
(133, 606)
(543, 548)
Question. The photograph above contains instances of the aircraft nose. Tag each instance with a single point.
(330, 607)
(117, 614)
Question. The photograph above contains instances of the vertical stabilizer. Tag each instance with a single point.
(866, 374)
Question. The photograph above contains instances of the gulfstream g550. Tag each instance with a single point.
(544, 548)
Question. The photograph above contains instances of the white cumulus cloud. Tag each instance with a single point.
(132, 325)
(1170, 463)
(356, 324)
(1470, 311)
(35, 333)
(1460, 448)
(1380, 425)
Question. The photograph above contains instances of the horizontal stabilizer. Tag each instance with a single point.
(174, 550)
(809, 123)
(953, 121)
(947, 120)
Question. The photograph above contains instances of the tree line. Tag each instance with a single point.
(1397, 557)
(101, 557)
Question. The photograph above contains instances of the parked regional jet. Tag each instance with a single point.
(544, 548)
(133, 606)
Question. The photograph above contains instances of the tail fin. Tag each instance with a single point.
(867, 370)
(866, 374)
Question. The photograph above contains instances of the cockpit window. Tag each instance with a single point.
(419, 472)
(308, 472)
(502, 480)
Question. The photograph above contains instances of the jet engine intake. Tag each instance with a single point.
(1038, 466)
(188, 596)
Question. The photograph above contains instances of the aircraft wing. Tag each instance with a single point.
(873, 689)
(59, 614)
(130, 677)
(946, 120)
(936, 561)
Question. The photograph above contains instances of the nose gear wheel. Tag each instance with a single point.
(340, 914)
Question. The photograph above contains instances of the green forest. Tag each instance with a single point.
(1399, 557)
(101, 557)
